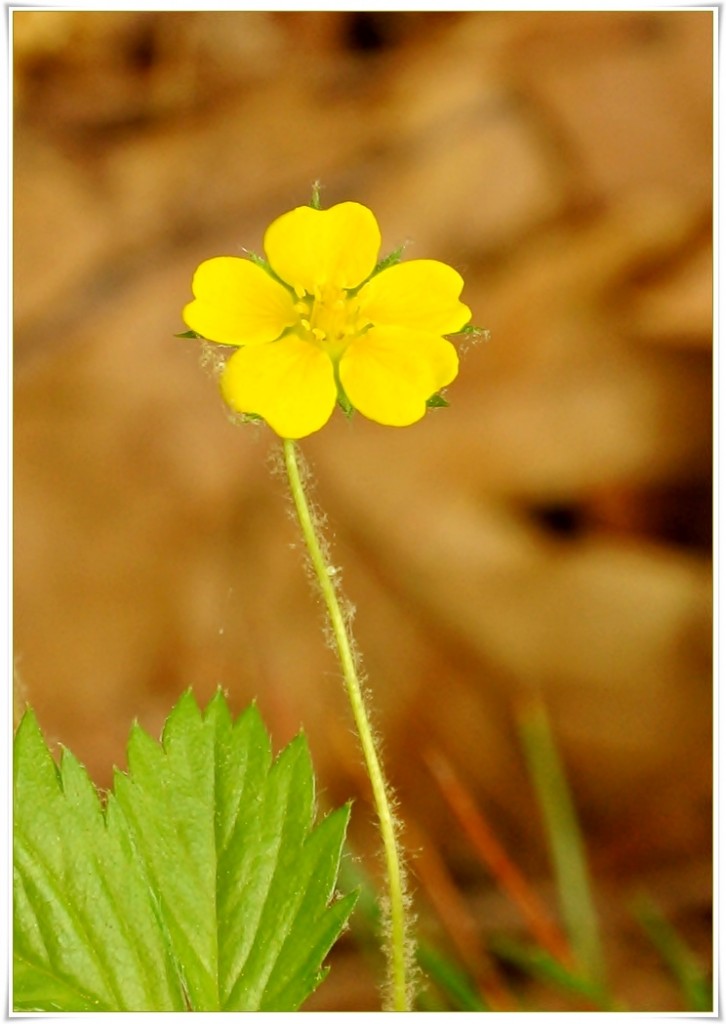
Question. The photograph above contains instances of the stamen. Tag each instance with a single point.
(329, 317)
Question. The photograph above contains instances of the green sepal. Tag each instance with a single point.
(437, 402)
(259, 261)
(477, 333)
(344, 404)
(190, 334)
(315, 197)
(388, 261)
(342, 399)
(262, 263)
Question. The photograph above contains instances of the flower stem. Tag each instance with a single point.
(396, 937)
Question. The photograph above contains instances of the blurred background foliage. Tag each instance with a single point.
(545, 542)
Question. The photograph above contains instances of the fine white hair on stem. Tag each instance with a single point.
(396, 918)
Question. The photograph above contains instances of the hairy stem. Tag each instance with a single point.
(396, 932)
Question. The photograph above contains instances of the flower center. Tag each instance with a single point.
(329, 319)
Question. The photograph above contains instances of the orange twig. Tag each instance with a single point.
(457, 920)
(497, 861)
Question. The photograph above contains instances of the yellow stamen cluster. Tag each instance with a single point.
(330, 319)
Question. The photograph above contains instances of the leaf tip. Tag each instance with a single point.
(28, 723)
(186, 708)
(218, 702)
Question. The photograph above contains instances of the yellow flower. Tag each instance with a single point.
(317, 325)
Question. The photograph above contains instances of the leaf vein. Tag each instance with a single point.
(54, 885)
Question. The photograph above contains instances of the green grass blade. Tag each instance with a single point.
(679, 959)
(539, 964)
(450, 978)
(564, 837)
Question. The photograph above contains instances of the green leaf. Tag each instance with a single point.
(202, 884)
(86, 933)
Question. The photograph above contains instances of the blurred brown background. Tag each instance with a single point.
(550, 532)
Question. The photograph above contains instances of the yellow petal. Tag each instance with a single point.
(312, 248)
(388, 373)
(421, 294)
(237, 303)
(290, 383)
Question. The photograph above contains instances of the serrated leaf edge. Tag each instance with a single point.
(332, 916)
